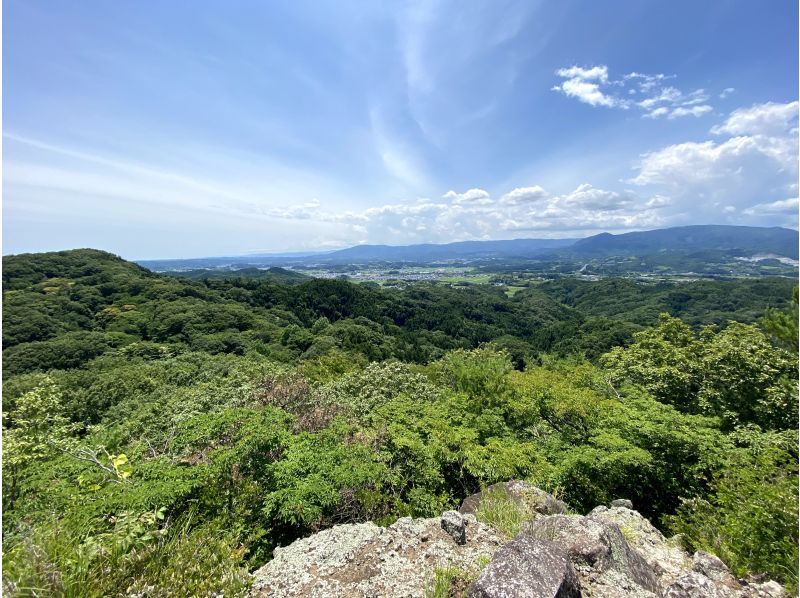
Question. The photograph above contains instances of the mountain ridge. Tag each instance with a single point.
(749, 240)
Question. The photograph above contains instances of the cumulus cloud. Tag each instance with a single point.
(304, 211)
(529, 210)
(596, 73)
(761, 119)
(740, 176)
(477, 196)
(732, 176)
(781, 206)
(587, 197)
(586, 208)
(657, 112)
(592, 85)
(584, 84)
(693, 162)
(689, 111)
(523, 195)
(658, 201)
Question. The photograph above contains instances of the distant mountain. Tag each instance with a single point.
(710, 243)
(463, 250)
(739, 240)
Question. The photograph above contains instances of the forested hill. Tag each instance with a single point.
(165, 435)
(61, 309)
(742, 240)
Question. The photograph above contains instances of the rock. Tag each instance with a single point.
(666, 557)
(527, 568)
(712, 567)
(766, 589)
(621, 502)
(366, 560)
(613, 552)
(594, 546)
(535, 500)
(697, 585)
(453, 523)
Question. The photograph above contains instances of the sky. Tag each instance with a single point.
(156, 129)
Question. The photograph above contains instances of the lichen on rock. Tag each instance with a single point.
(613, 552)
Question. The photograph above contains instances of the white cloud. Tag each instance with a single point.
(531, 210)
(659, 201)
(693, 162)
(599, 73)
(646, 82)
(522, 195)
(592, 85)
(733, 176)
(762, 119)
(587, 197)
(667, 94)
(583, 84)
(474, 196)
(726, 92)
(304, 211)
(690, 111)
(782, 206)
(587, 92)
(662, 111)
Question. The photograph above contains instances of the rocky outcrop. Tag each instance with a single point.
(367, 560)
(613, 552)
(599, 552)
(527, 496)
(454, 524)
(528, 568)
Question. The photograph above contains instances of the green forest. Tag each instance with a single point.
(163, 435)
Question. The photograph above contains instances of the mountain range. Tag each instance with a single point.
(735, 241)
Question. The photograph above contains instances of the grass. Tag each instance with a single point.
(452, 582)
(501, 512)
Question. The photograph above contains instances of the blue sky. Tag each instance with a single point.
(176, 129)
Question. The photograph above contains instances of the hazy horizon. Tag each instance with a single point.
(324, 250)
(153, 131)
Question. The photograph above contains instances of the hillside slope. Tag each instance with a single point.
(741, 240)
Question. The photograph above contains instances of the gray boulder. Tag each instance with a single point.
(527, 568)
(665, 556)
(453, 523)
(594, 546)
(764, 589)
(364, 560)
(535, 500)
(712, 567)
(697, 585)
(622, 502)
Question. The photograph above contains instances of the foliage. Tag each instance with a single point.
(164, 435)
(750, 519)
(735, 374)
(783, 325)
